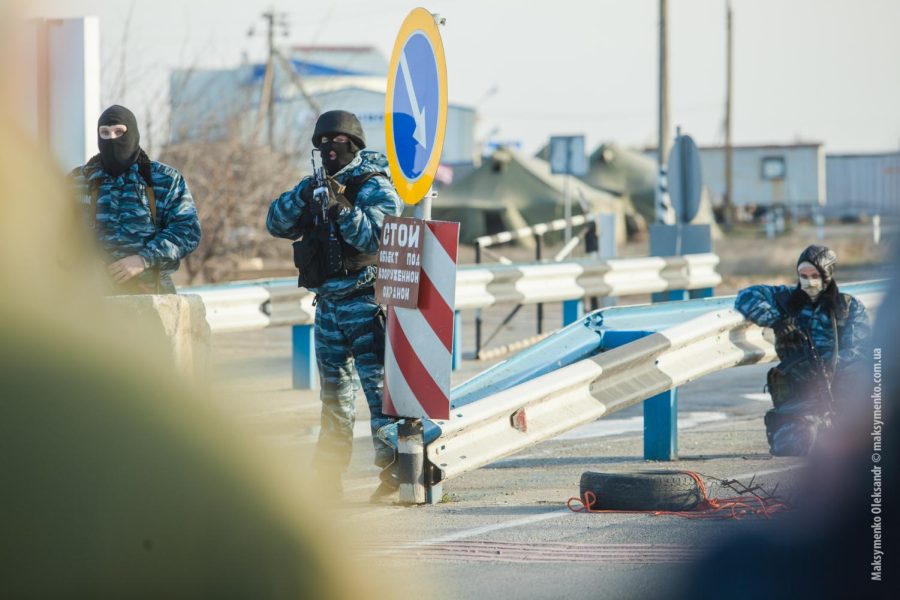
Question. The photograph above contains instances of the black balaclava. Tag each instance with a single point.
(119, 154)
(330, 124)
(345, 153)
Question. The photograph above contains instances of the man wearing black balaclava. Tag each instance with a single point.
(141, 210)
(820, 338)
(338, 236)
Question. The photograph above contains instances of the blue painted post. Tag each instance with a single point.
(670, 296)
(660, 411)
(661, 426)
(304, 370)
(456, 355)
(572, 310)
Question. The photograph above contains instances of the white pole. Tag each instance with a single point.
(423, 208)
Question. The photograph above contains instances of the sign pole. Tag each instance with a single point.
(422, 209)
(411, 458)
(419, 336)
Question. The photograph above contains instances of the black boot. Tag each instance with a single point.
(390, 483)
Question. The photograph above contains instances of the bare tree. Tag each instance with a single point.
(232, 185)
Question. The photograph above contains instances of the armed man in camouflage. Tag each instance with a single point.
(336, 255)
(141, 210)
(821, 337)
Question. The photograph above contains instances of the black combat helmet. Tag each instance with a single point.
(339, 121)
(822, 258)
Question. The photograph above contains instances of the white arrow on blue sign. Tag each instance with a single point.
(416, 106)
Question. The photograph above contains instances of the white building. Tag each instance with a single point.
(215, 104)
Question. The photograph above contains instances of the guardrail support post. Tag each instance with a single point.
(660, 411)
(304, 369)
(456, 354)
(670, 296)
(411, 457)
(573, 310)
(661, 426)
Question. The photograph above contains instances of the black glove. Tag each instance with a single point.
(306, 194)
(336, 198)
(786, 329)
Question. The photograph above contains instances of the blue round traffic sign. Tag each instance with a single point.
(416, 106)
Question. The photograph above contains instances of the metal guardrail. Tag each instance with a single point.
(483, 286)
(548, 404)
(554, 403)
(261, 304)
(255, 305)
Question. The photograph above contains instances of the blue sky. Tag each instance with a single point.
(821, 70)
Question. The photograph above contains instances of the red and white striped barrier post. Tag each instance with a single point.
(419, 350)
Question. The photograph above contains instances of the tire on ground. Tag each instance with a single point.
(645, 490)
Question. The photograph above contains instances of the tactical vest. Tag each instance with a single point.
(838, 318)
(322, 254)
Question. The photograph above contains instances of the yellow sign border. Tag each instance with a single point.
(417, 21)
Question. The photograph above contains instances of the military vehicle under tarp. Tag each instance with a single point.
(510, 190)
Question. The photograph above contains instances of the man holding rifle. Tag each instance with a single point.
(336, 218)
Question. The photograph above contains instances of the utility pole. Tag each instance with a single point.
(273, 19)
(663, 206)
(728, 204)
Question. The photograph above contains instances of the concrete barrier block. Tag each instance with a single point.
(175, 325)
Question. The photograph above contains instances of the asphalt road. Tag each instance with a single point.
(504, 531)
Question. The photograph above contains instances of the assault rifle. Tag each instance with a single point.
(821, 368)
(320, 186)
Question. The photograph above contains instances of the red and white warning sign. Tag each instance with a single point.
(400, 262)
(419, 347)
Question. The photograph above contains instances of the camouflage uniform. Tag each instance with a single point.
(796, 384)
(123, 222)
(349, 323)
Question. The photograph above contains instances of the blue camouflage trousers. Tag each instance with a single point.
(350, 331)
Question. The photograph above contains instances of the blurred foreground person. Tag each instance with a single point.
(115, 483)
(821, 338)
(141, 210)
(337, 224)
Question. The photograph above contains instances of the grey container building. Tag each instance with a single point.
(790, 175)
(863, 184)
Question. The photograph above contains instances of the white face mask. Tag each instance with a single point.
(812, 287)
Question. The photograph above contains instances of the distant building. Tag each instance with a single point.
(863, 184)
(217, 104)
(790, 175)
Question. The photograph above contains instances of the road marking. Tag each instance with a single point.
(606, 427)
(761, 397)
(540, 552)
(467, 533)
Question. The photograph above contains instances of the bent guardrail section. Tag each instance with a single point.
(552, 403)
